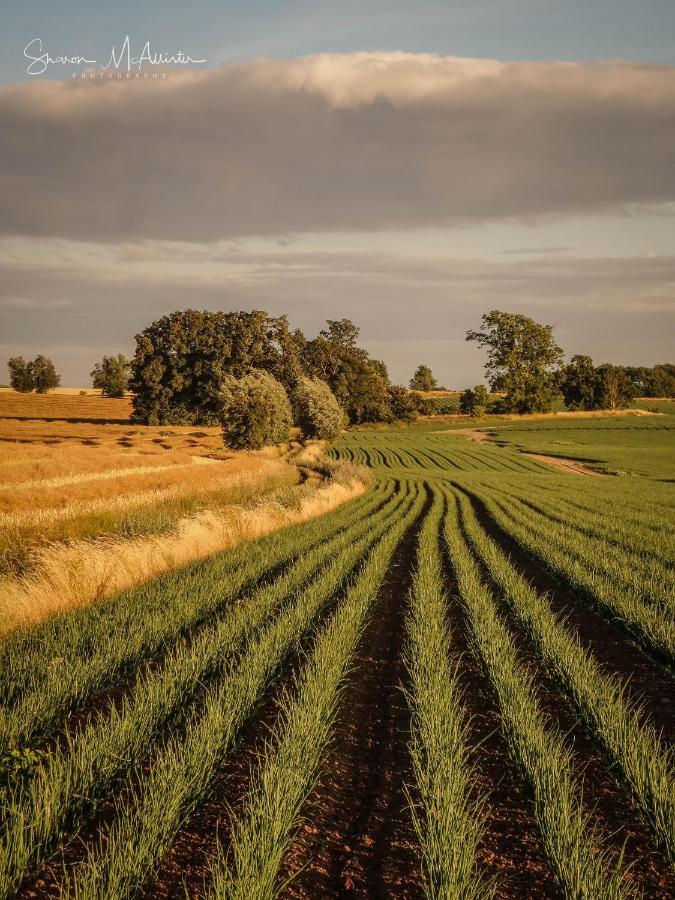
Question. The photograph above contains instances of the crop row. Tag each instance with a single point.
(270, 814)
(54, 676)
(183, 770)
(581, 867)
(559, 552)
(73, 777)
(634, 747)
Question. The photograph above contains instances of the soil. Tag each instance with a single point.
(358, 838)
(565, 465)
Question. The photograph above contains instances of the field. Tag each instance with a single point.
(88, 507)
(456, 685)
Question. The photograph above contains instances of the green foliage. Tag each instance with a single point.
(182, 360)
(615, 389)
(521, 358)
(254, 411)
(318, 414)
(405, 405)
(360, 384)
(111, 375)
(44, 374)
(20, 375)
(423, 379)
(475, 402)
(38, 375)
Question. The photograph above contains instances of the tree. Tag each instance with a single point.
(405, 405)
(111, 375)
(475, 402)
(521, 358)
(20, 375)
(360, 384)
(44, 374)
(662, 381)
(319, 415)
(254, 411)
(616, 390)
(182, 359)
(579, 383)
(423, 379)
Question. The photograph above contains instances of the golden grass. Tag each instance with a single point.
(66, 576)
(63, 405)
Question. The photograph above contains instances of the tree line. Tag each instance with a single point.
(254, 373)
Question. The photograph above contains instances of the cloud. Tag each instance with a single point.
(620, 309)
(360, 141)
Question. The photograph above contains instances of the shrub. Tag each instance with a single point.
(475, 402)
(319, 415)
(405, 405)
(254, 411)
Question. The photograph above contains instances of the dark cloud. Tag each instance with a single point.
(355, 141)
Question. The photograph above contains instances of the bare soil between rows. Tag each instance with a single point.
(358, 838)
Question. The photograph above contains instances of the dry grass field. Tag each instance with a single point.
(90, 503)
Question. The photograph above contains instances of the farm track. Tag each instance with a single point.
(602, 795)
(648, 682)
(359, 838)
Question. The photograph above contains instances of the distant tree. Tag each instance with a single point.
(20, 375)
(522, 356)
(254, 411)
(44, 374)
(615, 388)
(475, 402)
(661, 381)
(579, 383)
(318, 414)
(360, 384)
(182, 359)
(405, 405)
(423, 379)
(111, 375)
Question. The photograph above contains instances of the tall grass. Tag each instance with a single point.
(68, 576)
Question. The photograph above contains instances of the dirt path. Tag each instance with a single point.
(358, 840)
(565, 465)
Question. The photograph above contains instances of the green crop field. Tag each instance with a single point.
(457, 685)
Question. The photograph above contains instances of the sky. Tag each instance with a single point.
(409, 166)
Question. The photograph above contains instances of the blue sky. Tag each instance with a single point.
(219, 31)
(383, 181)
